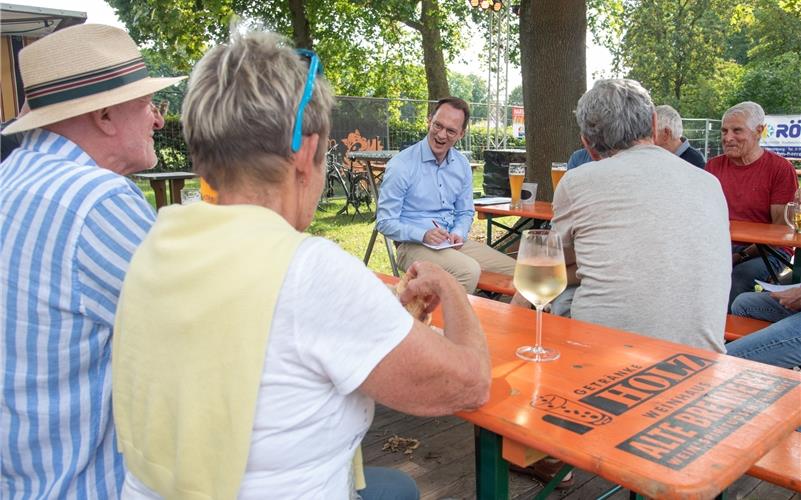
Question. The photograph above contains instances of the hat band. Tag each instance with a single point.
(86, 84)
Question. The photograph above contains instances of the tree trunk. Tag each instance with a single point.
(436, 72)
(553, 62)
(301, 33)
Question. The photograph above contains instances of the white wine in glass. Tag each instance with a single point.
(540, 276)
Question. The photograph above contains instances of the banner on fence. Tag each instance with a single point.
(782, 135)
(518, 122)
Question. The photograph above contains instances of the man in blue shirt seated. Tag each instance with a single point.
(578, 158)
(668, 136)
(426, 201)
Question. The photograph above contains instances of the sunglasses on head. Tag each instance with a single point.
(315, 68)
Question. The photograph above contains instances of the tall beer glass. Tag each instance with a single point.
(517, 174)
(540, 276)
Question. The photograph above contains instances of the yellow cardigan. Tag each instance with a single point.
(189, 345)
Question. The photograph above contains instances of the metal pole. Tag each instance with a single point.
(505, 11)
(489, 85)
(706, 138)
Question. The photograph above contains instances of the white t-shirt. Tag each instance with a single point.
(333, 323)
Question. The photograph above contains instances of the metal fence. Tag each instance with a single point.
(361, 123)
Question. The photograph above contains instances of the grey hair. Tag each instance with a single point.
(239, 112)
(753, 113)
(667, 117)
(614, 114)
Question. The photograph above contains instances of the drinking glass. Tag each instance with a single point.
(557, 172)
(517, 173)
(190, 195)
(792, 216)
(540, 276)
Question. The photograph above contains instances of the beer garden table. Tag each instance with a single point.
(158, 181)
(659, 418)
(763, 235)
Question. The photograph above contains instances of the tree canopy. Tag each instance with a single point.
(702, 56)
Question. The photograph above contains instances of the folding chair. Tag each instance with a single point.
(390, 251)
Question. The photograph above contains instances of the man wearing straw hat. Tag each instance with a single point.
(69, 223)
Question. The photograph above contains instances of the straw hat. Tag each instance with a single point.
(81, 69)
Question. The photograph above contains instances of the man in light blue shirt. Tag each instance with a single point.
(426, 202)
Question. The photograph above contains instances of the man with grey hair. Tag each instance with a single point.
(757, 184)
(645, 233)
(669, 130)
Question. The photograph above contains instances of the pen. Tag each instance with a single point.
(435, 224)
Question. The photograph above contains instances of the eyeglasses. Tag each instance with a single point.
(450, 132)
(315, 68)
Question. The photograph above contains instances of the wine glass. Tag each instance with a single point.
(540, 276)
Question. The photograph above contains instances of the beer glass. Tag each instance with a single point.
(517, 173)
(540, 276)
(792, 216)
(557, 172)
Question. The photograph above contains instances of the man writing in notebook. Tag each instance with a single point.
(426, 201)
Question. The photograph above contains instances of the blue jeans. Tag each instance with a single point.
(384, 483)
(560, 306)
(778, 344)
(744, 274)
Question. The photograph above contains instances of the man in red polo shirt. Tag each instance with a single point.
(757, 184)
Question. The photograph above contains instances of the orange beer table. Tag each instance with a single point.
(767, 235)
(661, 419)
(533, 217)
(763, 235)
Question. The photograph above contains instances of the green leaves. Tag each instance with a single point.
(702, 56)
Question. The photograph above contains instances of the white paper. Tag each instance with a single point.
(443, 245)
(770, 287)
(492, 200)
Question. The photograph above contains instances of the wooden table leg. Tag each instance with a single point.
(492, 471)
(159, 189)
(176, 185)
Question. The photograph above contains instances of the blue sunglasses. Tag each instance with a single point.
(315, 68)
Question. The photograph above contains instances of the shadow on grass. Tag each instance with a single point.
(327, 215)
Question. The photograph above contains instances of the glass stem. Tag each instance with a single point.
(538, 338)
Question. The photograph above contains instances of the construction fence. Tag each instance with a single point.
(372, 124)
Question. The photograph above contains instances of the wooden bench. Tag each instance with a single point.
(781, 465)
(739, 326)
(496, 283)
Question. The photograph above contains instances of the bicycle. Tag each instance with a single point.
(337, 181)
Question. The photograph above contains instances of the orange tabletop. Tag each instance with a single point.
(540, 210)
(768, 234)
(764, 235)
(659, 418)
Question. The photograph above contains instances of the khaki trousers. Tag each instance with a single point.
(464, 264)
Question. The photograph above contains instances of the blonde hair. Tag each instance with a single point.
(239, 112)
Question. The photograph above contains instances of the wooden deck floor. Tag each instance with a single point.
(443, 464)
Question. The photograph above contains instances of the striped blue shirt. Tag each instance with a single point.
(68, 229)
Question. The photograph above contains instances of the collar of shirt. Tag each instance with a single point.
(684, 146)
(46, 142)
(428, 156)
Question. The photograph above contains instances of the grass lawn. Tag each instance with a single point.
(351, 232)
